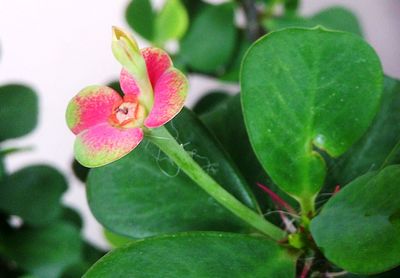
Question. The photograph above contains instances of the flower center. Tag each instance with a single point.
(128, 114)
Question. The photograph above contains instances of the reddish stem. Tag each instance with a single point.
(276, 199)
(306, 268)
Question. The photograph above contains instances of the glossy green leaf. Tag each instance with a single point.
(299, 94)
(197, 255)
(235, 141)
(336, 18)
(145, 194)
(33, 193)
(210, 41)
(359, 228)
(46, 251)
(140, 16)
(171, 23)
(18, 111)
(379, 146)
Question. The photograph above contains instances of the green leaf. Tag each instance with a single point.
(209, 101)
(299, 94)
(33, 193)
(46, 251)
(18, 111)
(197, 255)
(140, 16)
(72, 216)
(2, 168)
(291, 6)
(210, 41)
(235, 141)
(336, 18)
(233, 69)
(379, 145)
(116, 240)
(145, 194)
(171, 23)
(359, 228)
(80, 171)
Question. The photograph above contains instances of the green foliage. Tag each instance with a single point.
(235, 141)
(336, 18)
(358, 229)
(210, 42)
(209, 102)
(44, 240)
(2, 168)
(140, 16)
(299, 95)
(80, 171)
(116, 240)
(44, 251)
(72, 216)
(33, 193)
(171, 22)
(197, 255)
(313, 112)
(145, 194)
(18, 111)
(379, 146)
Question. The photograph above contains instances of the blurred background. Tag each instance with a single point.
(59, 47)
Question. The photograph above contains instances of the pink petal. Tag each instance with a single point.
(128, 84)
(103, 144)
(169, 96)
(91, 106)
(157, 62)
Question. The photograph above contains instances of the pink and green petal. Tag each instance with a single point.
(169, 96)
(103, 144)
(157, 62)
(91, 106)
(128, 84)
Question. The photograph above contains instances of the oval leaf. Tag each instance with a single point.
(210, 41)
(197, 255)
(18, 111)
(359, 228)
(171, 23)
(140, 16)
(299, 94)
(145, 194)
(34, 194)
(379, 146)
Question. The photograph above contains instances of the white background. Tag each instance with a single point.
(59, 47)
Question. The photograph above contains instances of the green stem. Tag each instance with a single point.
(307, 206)
(167, 143)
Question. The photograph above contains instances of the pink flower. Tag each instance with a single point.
(108, 126)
